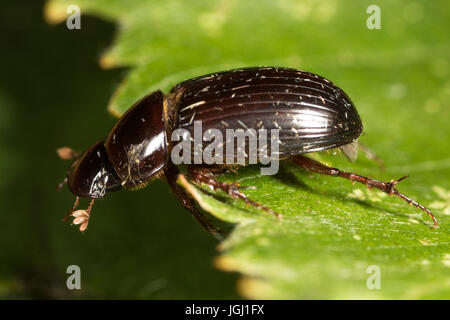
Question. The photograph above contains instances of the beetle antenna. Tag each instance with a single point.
(66, 153)
(81, 217)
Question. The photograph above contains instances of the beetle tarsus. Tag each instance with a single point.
(386, 187)
(417, 205)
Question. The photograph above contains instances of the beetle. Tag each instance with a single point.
(310, 113)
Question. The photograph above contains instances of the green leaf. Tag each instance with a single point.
(331, 231)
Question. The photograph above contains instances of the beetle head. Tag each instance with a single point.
(92, 174)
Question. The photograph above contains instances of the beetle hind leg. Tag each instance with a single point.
(206, 176)
(387, 187)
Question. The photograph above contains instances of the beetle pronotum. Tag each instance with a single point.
(310, 112)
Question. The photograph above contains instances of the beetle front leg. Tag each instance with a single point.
(171, 175)
(387, 187)
(207, 176)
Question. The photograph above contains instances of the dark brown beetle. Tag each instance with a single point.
(309, 112)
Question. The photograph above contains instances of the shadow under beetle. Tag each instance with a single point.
(310, 112)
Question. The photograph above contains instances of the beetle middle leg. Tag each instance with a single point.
(387, 187)
(75, 206)
(207, 175)
(171, 175)
(371, 155)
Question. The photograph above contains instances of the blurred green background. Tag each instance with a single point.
(142, 244)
